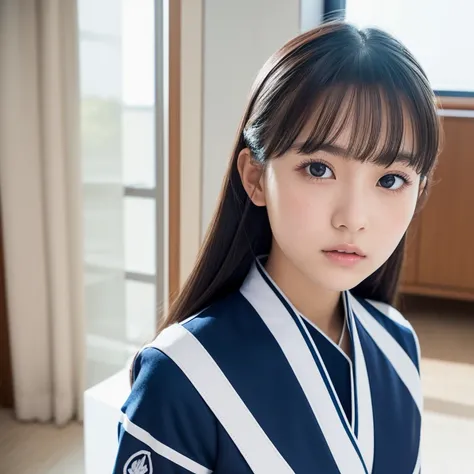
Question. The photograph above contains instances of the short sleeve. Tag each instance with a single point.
(165, 426)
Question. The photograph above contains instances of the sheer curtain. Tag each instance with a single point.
(41, 205)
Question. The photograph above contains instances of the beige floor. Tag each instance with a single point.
(39, 449)
(446, 332)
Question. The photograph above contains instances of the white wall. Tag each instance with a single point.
(239, 36)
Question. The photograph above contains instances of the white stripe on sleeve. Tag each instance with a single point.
(160, 448)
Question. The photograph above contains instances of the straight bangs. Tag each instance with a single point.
(387, 103)
(382, 128)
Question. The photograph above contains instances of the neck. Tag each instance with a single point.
(321, 306)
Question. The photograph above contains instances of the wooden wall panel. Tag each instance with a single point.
(446, 253)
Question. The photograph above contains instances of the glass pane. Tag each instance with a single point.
(100, 25)
(443, 56)
(138, 53)
(138, 72)
(138, 143)
(117, 85)
(101, 18)
(141, 311)
(116, 47)
(140, 235)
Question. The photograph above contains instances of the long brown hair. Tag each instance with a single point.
(322, 67)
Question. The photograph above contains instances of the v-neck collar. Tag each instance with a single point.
(330, 341)
(351, 444)
(346, 358)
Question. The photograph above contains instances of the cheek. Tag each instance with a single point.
(393, 218)
(406, 208)
(283, 204)
(294, 208)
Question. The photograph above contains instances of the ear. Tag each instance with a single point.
(251, 174)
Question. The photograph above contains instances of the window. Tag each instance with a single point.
(138, 93)
(140, 236)
(117, 45)
(437, 32)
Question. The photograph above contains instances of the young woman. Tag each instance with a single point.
(283, 352)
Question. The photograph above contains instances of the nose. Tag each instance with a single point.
(350, 212)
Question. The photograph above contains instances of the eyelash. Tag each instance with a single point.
(302, 166)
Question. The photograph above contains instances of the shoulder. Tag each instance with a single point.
(164, 426)
(157, 362)
(151, 369)
(223, 319)
(165, 412)
(395, 323)
(386, 313)
(161, 390)
(164, 403)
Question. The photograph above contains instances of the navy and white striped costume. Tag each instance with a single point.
(249, 385)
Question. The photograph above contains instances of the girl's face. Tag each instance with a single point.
(324, 200)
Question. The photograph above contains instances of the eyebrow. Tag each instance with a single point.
(339, 151)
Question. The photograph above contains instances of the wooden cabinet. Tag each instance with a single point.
(440, 247)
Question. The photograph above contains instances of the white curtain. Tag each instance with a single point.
(41, 206)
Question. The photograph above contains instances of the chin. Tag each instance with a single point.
(340, 280)
(340, 285)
